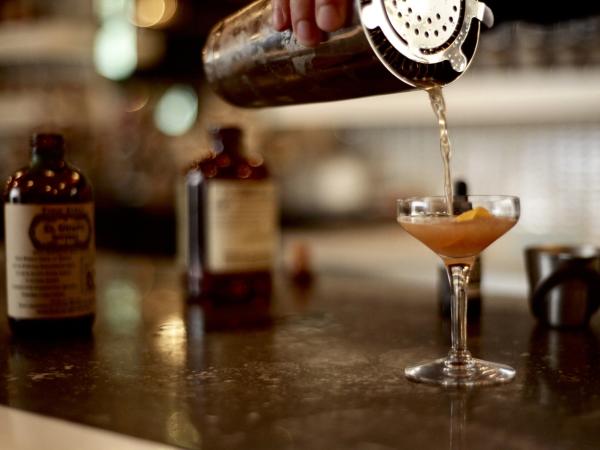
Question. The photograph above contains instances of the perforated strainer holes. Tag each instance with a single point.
(424, 24)
(422, 40)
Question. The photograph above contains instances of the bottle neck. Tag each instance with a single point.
(227, 140)
(232, 148)
(47, 158)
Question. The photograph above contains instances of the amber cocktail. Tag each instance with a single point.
(458, 240)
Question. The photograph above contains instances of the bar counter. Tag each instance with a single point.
(325, 373)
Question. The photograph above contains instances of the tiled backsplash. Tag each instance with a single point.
(555, 169)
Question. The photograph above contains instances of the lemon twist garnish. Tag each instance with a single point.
(478, 212)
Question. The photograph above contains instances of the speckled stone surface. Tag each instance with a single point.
(327, 374)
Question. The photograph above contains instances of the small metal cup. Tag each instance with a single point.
(564, 284)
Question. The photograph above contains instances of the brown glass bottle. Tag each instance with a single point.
(232, 225)
(50, 245)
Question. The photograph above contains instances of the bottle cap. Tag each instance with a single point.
(460, 203)
(460, 188)
(47, 140)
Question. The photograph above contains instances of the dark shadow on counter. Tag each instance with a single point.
(562, 368)
(135, 230)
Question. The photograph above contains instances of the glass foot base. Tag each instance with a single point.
(479, 373)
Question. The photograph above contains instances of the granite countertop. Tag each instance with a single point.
(327, 373)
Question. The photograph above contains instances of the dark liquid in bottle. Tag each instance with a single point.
(49, 180)
(230, 226)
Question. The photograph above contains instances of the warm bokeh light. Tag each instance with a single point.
(170, 337)
(172, 329)
(137, 99)
(151, 13)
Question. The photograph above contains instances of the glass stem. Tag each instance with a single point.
(459, 358)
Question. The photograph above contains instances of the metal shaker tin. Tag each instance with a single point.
(389, 46)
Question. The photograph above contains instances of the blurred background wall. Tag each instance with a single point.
(123, 80)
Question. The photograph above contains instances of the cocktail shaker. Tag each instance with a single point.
(389, 46)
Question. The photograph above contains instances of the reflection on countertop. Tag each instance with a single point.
(327, 372)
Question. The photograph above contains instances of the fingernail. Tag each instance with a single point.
(278, 19)
(328, 17)
(304, 31)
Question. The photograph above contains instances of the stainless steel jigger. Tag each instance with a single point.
(389, 46)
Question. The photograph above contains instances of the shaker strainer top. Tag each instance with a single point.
(424, 31)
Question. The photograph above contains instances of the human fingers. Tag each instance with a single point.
(331, 14)
(281, 14)
(303, 22)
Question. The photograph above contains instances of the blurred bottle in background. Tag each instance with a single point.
(232, 227)
(50, 243)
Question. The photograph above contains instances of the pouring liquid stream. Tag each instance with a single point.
(438, 104)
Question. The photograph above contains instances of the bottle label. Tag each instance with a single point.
(49, 260)
(241, 224)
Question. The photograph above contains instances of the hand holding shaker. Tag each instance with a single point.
(390, 46)
(564, 284)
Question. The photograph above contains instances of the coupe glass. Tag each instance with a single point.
(458, 239)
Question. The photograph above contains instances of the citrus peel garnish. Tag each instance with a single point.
(478, 212)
